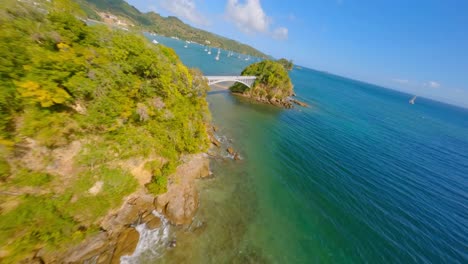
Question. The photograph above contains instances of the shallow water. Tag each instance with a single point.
(360, 176)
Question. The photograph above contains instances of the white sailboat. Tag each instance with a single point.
(209, 50)
(412, 100)
(206, 48)
(248, 58)
(217, 55)
(155, 42)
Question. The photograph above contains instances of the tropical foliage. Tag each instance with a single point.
(272, 83)
(62, 81)
(287, 64)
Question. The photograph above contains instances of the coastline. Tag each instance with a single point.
(146, 220)
(122, 228)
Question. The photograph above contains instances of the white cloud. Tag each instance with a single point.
(402, 81)
(249, 17)
(280, 33)
(185, 9)
(432, 84)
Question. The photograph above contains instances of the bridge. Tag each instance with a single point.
(246, 80)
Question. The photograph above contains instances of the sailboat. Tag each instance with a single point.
(412, 100)
(206, 48)
(248, 58)
(155, 41)
(209, 50)
(217, 55)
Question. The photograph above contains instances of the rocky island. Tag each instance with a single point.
(272, 86)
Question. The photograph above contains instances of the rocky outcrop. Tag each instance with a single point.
(126, 244)
(132, 211)
(118, 236)
(284, 103)
(212, 137)
(299, 103)
(180, 202)
(233, 153)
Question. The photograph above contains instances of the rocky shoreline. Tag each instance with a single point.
(119, 237)
(287, 103)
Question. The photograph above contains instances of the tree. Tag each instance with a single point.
(272, 83)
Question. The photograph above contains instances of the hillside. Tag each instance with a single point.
(88, 116)
(167, 26)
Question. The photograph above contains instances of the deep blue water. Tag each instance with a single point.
(359, 176)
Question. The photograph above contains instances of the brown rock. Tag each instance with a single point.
(151, 221)
(126, 244)
(179, 204)
(215, 142)
(85, 250)
(129, 213)
(231, 151)
(299, 103)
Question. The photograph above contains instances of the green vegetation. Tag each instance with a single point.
(272, 84)
(166, 26)
(287, 64)
(116, 94)
(160, 173)
(25, 177)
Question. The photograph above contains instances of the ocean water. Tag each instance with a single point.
(359, 176)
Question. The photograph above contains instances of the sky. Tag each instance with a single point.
(416, 46)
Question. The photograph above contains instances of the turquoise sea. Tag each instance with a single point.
(361, 176)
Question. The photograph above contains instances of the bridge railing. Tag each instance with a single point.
(246, 80)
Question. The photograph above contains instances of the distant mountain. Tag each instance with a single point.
(167, 26)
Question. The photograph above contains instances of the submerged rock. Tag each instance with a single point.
(172, 244)
(299, 103)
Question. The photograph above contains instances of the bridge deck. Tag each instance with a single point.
(246, 80)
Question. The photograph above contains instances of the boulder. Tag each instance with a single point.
(215, 142)
(126, 244)
(179, 204)
(231, 151)
(151, 221)
(130, 212)
(213, 139)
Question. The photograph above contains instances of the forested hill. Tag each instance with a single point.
(167, 26)
(80, 104)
